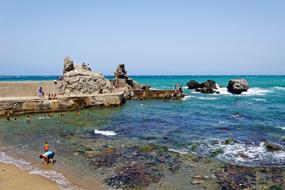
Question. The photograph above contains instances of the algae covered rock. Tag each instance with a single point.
(272, 147)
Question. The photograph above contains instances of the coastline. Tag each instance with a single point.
(14, 178)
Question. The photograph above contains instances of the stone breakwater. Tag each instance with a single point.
(22, 105)
(78, 87)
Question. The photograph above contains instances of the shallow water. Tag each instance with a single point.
(201, 120)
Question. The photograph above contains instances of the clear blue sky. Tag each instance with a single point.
(150, 36)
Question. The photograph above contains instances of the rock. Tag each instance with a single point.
(207, 87)
(138, 174)
(121, 72)
(210, 84)
(229, 141)
(79, 79)
(68, 65)
(238, 86)
(192, 84)
(283, 138)
(205, 90)
(124, 82)
(216, 152)
(198, 179)
(272, 147)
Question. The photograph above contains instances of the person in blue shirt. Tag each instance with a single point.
(48, 157)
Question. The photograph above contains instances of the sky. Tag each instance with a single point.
(151, 37)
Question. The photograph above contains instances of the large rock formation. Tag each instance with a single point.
(124, 82)
(79, 79)
(210, 84)
(238, 86)
(192, 84)
(207, 87)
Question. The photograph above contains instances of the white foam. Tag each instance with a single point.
(50, 174)
(283, 128)
(259, 99)
(200, 97)
(254, 91)
(246, 154)
(279, 88)
(177, 151)
(186, 97)
(222, 90)
(106, 133)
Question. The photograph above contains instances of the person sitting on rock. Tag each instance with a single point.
(48, 157)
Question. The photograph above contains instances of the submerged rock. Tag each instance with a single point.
(137, 174)
(229, 141)
(238, 86)
(272, 147)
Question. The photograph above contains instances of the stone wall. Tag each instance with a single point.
(66, 103)
(155, 94)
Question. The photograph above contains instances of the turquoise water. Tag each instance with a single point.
(204, 120)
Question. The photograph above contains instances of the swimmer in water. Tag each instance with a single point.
(48, 157)
(78, 113)
(28, 118)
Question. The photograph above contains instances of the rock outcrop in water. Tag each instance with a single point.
(79, 79)
(192, 84)
(207, 87)
(123, 81)
(238, 86)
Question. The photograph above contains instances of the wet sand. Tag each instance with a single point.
(13, 178)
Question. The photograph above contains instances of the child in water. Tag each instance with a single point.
(46, 147)
(48, 157)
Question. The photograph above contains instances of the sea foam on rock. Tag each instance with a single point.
(207, 87)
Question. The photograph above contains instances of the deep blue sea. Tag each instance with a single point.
(205, 120)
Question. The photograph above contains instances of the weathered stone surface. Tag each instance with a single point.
(79, 79)
(192, 84)
(238, 86)
(207, 87)
(35, 105)
(68, 65)
(138, 174)
(124, 82)
(210, 84)
(155, 94)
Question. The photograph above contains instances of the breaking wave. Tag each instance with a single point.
(106, 133)
(249, 154)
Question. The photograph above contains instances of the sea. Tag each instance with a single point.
(206, 120)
